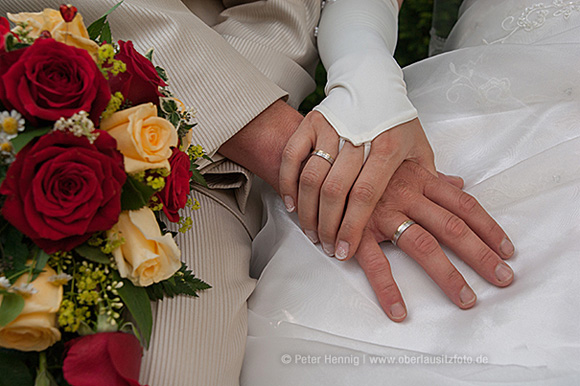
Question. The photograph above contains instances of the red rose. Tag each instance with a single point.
(174, 194)
(4, 29)
(103, 359)
(51, 80)
(61, 189)
(140, 83)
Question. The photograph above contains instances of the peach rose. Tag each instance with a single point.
(74, 33)
(146, 256)
(35, 328)
(144, 139)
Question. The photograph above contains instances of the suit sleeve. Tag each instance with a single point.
(277, 37)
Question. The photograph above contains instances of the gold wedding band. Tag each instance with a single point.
(323, 154)
(402, 228)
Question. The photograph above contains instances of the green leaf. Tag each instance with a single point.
(14, 246)
(198, 178)
(183, 282)
(100, 27)
(11, 307)
(138, 304)
(149, 54)
(106, 35)
(14, 370)
(169, 106)
(93, 254)
(135, 194)
(162, 73)
(23, 138)
(40, 262)
(11, 43)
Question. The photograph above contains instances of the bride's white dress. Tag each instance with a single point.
(502, 109)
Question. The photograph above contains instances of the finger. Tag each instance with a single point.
(424, 248)
(453, 180)
(311, 179)
(467, 208)
(297, 150)
(334, 192)
(378, 271)
(452, 231)
(363, 198)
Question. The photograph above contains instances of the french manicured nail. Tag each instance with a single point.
(312, 235)
(289, 203)
(398, 311)
(328, 248)
(342, 250)
(503, 272)
(506, 247)
(466, 295)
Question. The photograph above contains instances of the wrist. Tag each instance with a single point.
(259, 145)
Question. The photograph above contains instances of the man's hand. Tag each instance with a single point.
(443, 214)
(259, 145)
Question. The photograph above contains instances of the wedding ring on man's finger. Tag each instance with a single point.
(402, 228)
(323, 154)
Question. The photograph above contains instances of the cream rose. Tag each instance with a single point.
(35, 328)
(74, 33)
(146, 256)
(144, 138)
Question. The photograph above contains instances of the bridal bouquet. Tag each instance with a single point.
(93, 149)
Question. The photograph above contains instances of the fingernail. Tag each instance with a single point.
(503, 272)
(466, 295)
(289, 203)
(506, 247)
(342, 250)
(398, 311)
(312, 235)
(328, 248)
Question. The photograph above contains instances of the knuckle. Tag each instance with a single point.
(349, 229)
(333, 189)
(467, 202)
(455, 227)
(493, 228)
(309, 178)
(363, 192)
(402, 189)
(486, 257)
(454, 278)
(290, 153)
(387, 288)
(377, 265)
(425, 244)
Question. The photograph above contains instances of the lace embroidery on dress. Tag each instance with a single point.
(486, 89)
(535, 16)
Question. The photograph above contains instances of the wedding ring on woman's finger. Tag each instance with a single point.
(402, 228)
(323, 154)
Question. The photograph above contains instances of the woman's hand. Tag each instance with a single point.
(444, 214)
(335, 201)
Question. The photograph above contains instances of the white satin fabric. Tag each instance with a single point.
(501, 109)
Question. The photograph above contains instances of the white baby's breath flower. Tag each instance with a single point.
(4, 282)
(25, 289)
(79, 124)
(60, 279)
(11, 123)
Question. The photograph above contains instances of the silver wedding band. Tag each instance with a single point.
(323, 154)
(402, 228)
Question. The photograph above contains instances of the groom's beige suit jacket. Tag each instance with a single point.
(229, 60)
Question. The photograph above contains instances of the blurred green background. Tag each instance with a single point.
(413, 44)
